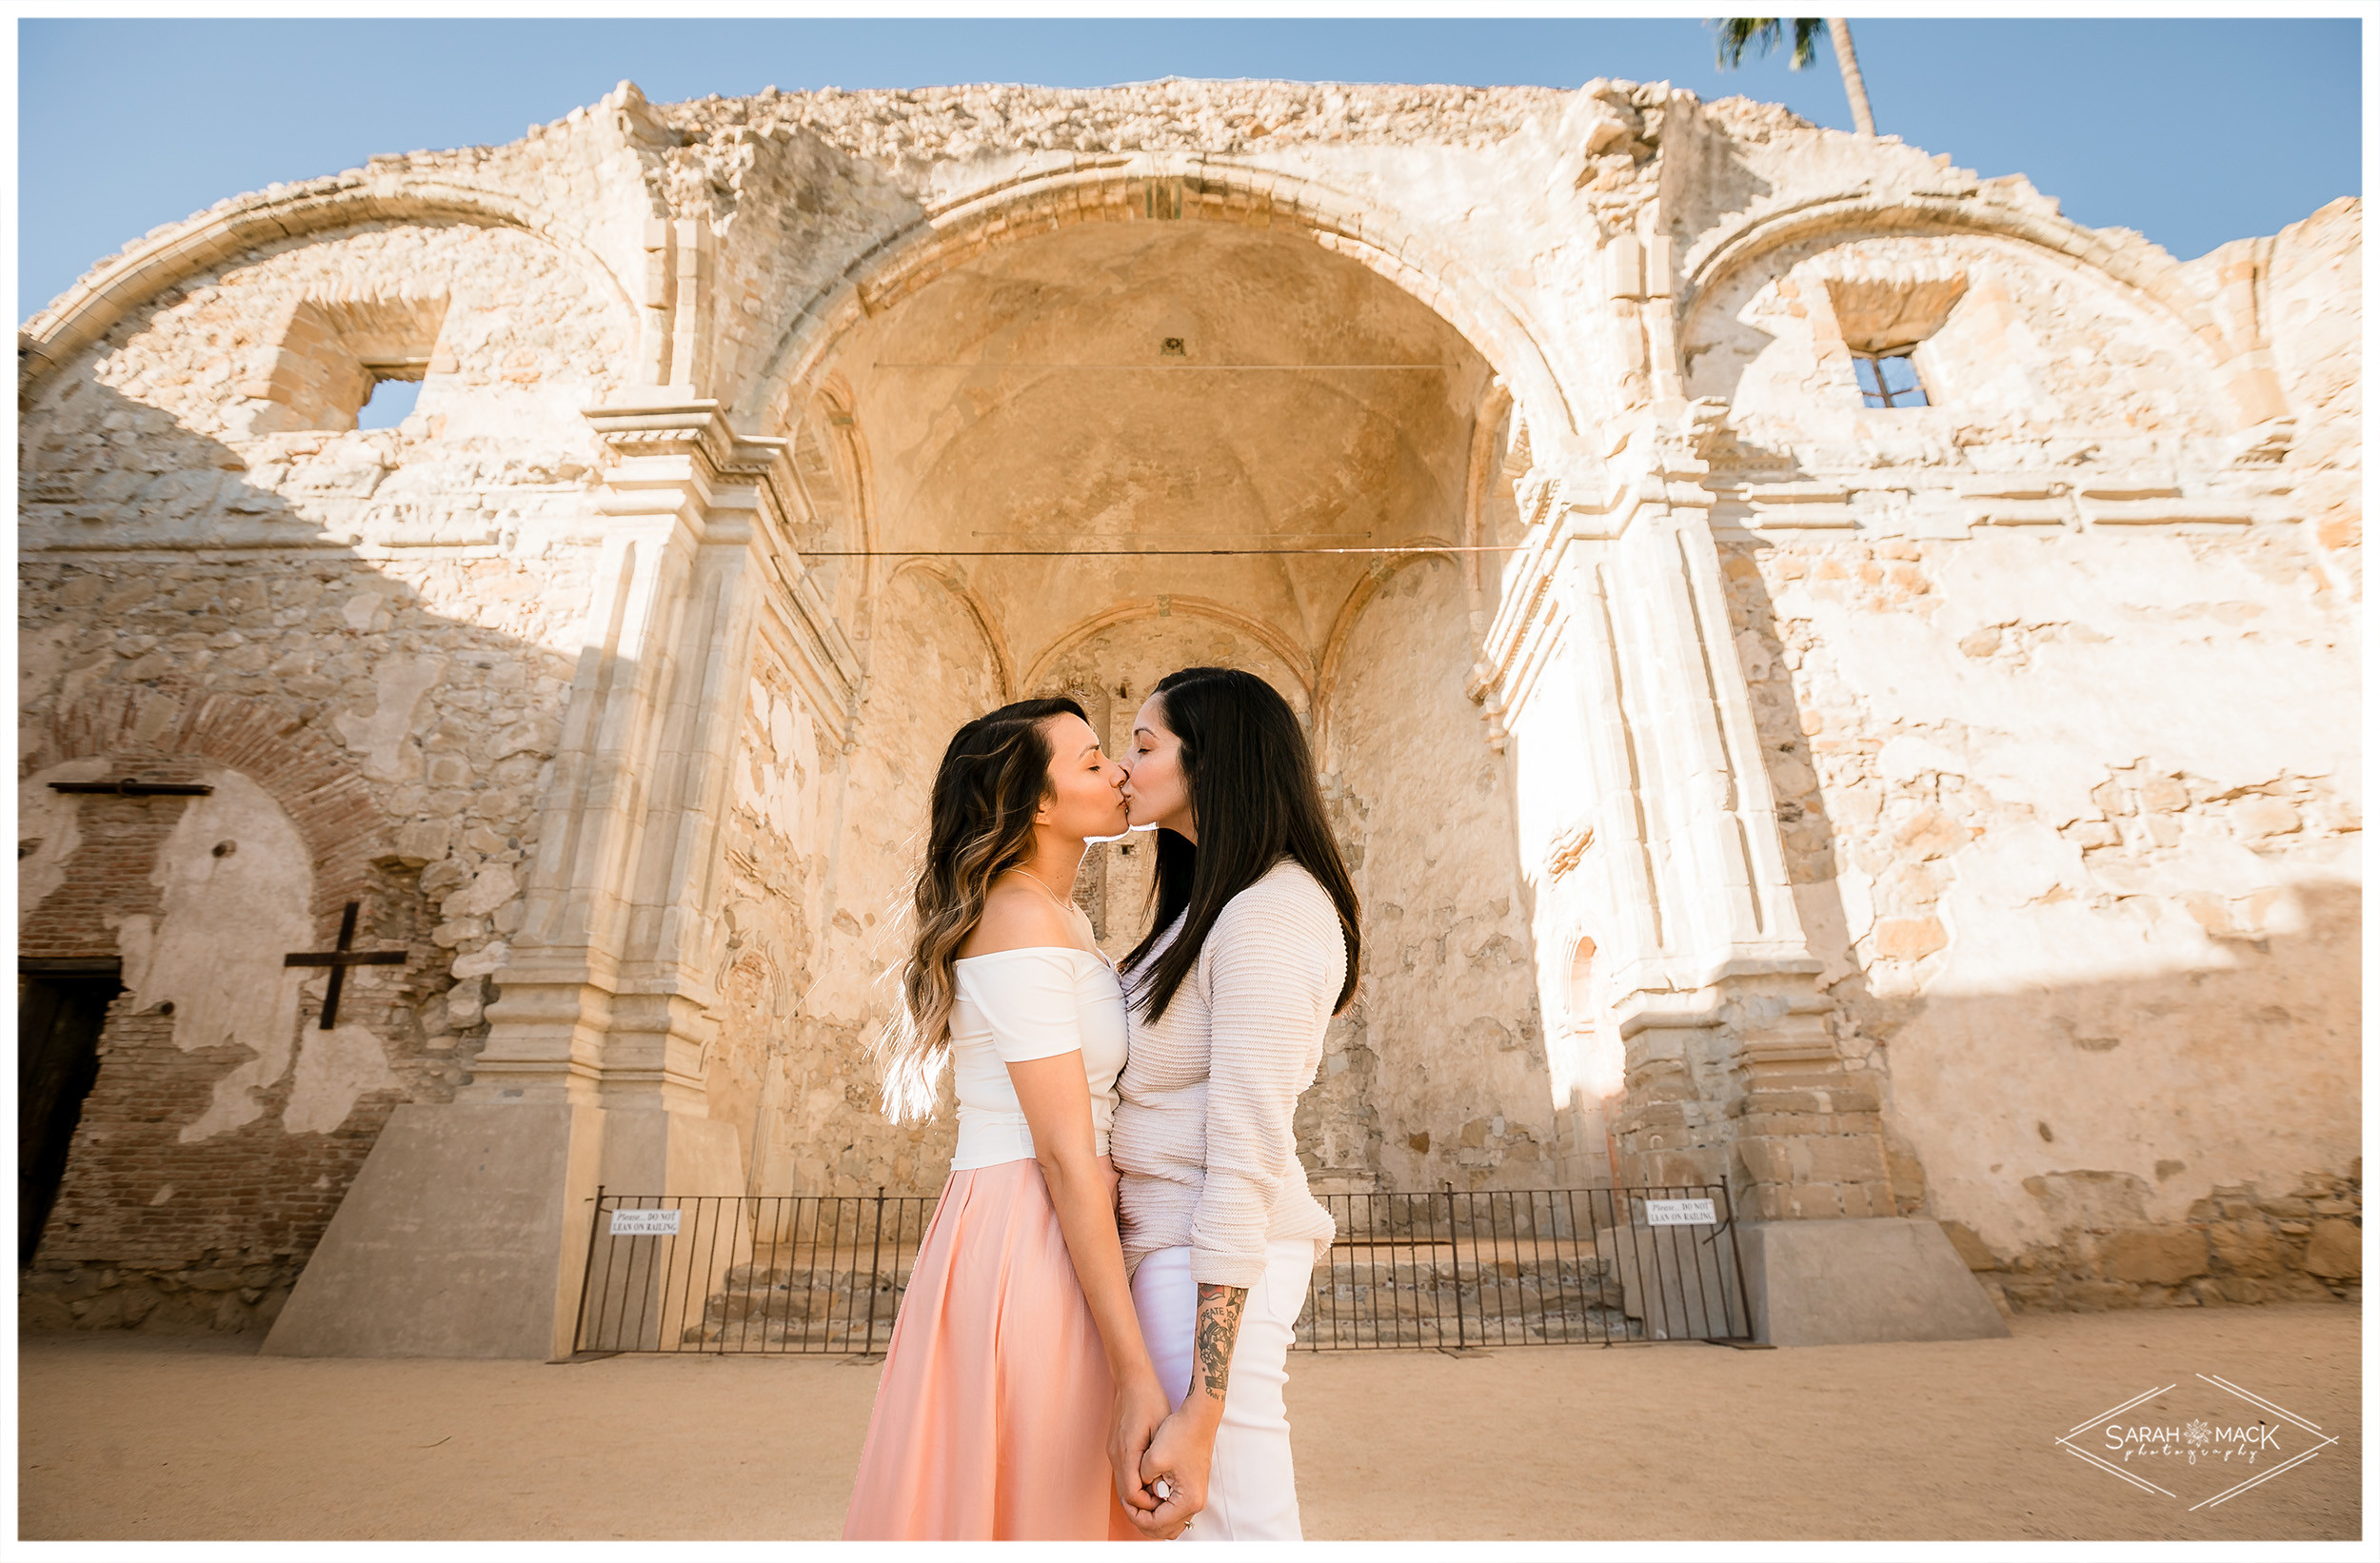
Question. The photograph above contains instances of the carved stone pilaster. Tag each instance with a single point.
(1731, 1069)
(592, 1071)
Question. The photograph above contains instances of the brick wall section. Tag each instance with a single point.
(241, 1211)
(266, 666)
(107, 877)
(148, 1231)
(149, 732)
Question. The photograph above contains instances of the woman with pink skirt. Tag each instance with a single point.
(1017, 1394)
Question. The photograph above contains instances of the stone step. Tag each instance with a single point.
(1581, 1293)
(1581, 1326)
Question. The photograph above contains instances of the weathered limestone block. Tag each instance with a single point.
(2166, 1257)
(2335, 1250)
(2246, 1248)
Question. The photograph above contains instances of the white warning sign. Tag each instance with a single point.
(1680, 1212)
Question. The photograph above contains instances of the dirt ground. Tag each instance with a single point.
(123, 1437)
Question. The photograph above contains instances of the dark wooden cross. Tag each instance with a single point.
(341, 958)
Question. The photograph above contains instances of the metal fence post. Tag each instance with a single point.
(875, 1258)
(1454, 1248)
(586, 1277)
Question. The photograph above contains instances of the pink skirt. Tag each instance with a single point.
(991, 1420)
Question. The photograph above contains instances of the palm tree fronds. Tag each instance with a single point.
(1761, 34)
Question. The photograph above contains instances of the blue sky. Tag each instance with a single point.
(2193, 132)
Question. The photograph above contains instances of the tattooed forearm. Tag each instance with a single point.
(1218, 1330)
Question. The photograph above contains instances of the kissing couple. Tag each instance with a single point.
(1095, 1333)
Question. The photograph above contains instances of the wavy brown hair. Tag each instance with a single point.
(993, 777)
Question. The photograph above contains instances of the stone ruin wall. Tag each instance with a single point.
(1440, 1065)
(220, 583)
(393, 606)
(2067, 768)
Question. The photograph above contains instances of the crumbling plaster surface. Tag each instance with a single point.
(1444, 1064)
(214, 948)
(2071, 806)
(823, 909)
(2074, 830)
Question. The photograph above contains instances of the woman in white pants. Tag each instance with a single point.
(1253, 947)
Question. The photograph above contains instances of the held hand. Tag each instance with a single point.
(1140, 1408)
(1183, 1453)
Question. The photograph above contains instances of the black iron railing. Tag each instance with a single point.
(726, 1273)
(1527, 1267)
(1452, 1269)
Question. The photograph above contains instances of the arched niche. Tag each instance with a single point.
(1110, 667)
(2007, 337)
(1101, 451)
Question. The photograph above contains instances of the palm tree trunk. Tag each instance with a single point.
(1853, 87)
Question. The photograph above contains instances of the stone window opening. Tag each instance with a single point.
(1889, 379)
(1885, 323)
(331, 356)
(391, 401)
(1579, 987)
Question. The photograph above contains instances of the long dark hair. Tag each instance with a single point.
(1254, 799)
(993, 777)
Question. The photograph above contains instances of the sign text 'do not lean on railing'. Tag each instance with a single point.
(1679, 1213)
(644, 1223)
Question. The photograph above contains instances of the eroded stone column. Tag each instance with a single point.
(1733, 1073)
(592, 1074)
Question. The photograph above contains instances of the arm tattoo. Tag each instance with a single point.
(1218, 1330)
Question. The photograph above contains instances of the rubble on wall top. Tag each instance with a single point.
(1222, 116)
(1751, 119)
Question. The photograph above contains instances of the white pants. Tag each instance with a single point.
(1252, 1489)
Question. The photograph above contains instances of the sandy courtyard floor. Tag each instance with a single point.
(123, 1437)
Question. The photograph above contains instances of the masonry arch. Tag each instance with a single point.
(978, 612)
(1330, 665)
(1731, 248)
(1157, 188)
(1099, 450)
(328, 803)
(2134, 277)
(128, 282)
(1297, 664)
(1974, 304)
(831, 475)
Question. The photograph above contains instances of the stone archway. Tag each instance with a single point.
(1157, 187)
(1121, 448)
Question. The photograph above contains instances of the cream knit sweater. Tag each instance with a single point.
(1202, 1134)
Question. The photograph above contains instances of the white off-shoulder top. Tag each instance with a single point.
(1036, 1003)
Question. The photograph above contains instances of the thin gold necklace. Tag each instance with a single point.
(1042, 885)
